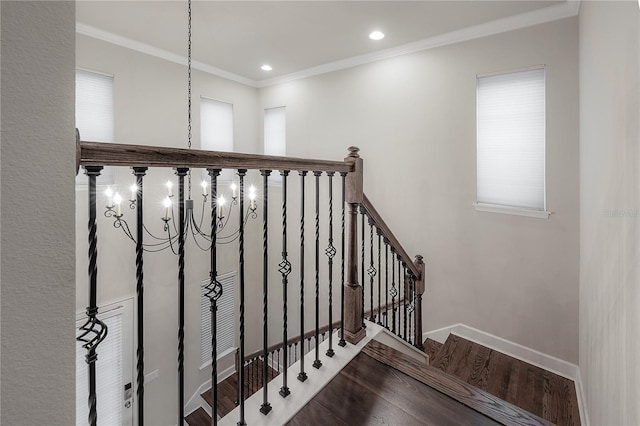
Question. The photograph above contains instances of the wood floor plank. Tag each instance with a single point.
(529, 387)
(431, 348)
(481, 401)
(198, 418)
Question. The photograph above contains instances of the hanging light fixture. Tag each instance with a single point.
(193, 226)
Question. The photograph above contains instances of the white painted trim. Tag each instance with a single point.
(219, 357)
(196, 401)
(109, 37)
(540, 16)
(517, 211)
(535, 17)
(518, 351)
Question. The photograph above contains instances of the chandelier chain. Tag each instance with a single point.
(189, 89)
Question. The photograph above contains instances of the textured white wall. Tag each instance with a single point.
(414, 119)
(38, 168)
(609, 215)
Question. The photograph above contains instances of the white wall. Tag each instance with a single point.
(414, 119)
(150, 109)
(38, 168)
(609, 203)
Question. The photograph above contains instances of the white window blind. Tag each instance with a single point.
(216, 130)
(511, 139)
(109, 376)
(94, 114)
(225, 319)
(275, 135)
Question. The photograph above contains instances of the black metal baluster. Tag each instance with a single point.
(371, 271)
(317, 363)
(302, 376)
(285, 270)
(362, 269)
(406, 300)
(214, 292)
(265, 407)
(181, 172)
(330, 252)
(93, 331)
(241, 375)
(379, 276)
(386, 283)
(394, 292)
(139, 172)
(342, 342)
(400, 285)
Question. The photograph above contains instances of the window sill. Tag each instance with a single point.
(518, 211)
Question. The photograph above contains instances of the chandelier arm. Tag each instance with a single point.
(122, 224)
(168, 229)
(197, 229)
(163, 239)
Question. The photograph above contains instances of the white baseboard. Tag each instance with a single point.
(196, 400)
(516, 350)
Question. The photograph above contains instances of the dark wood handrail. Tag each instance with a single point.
(321, 330)
(113, 154)
(386, 233)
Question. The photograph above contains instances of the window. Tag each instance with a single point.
(511, 140)
(225, 319)
(216, 131)
(275, 133)
(114, 368)
(94, 114)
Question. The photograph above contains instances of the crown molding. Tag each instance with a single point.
(128, 43)
(540, 16)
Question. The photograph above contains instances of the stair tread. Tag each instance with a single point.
(541, 392)
(198, 418)
(471, 396)
(431, 348)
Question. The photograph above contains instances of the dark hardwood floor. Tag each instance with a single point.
(531, 388)
(369, 392)
(431, 348)
(228, 388)
(198, 418)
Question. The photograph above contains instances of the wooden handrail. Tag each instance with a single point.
(113, 154)
(386, 233)
(321, 330)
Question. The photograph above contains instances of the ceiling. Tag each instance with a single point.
(234, 38)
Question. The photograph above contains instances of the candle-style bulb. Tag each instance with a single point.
(203, 184)
(221, 201)
(109, 193)
(117, 199)
(167, 207)
(134, 191)
(252, 197)
(169, 185)
(234, 187)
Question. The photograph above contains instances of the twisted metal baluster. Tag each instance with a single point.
(241, 175)
(317, 363)
(330, 252)
(342, 342)
(93, 331)
(394, 292)
(379, 232)
(372, 271)
(139, 172)
(181, 172)
(362, 269)
(213, 293)
(400, 285)
(285, 270)
(411, 308)
(302, 376)
(406, 310)
(265, 408)
(386, 283)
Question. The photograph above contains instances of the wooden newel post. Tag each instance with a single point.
(418, 308)
(353, 329)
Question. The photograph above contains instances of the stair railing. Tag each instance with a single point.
(405, 310)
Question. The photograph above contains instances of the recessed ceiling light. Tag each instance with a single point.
(376, 35)
(266, 67)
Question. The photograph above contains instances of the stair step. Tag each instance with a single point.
(431, 348)
(198, 418)
(531, 388)
(471, 396)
